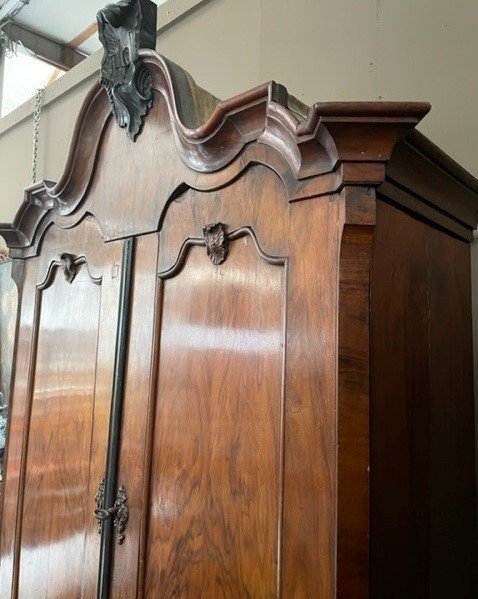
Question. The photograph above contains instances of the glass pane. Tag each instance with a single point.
(23, 75)
(8, 314)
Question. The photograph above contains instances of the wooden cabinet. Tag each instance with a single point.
(253, 322)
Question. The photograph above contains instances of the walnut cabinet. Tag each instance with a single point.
(244, 344)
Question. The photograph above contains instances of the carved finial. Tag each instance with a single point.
(216, 240)
(123, 29)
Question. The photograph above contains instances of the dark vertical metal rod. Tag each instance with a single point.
(112, 458)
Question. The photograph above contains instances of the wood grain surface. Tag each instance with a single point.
(216, 495)
(353, 503)
(422, 439)
(59, 455)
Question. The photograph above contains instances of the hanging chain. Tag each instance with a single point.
(36, 130)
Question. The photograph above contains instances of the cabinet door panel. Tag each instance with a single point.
(215, 499)
(55, 503)
(61, 396)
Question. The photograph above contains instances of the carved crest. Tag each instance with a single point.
(216, 240)
(123, 29)
(68, 266)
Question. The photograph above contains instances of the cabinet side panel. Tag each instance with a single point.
(452, 497)
(422, 431)
(400, 408)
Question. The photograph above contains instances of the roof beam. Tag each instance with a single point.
(59, 55)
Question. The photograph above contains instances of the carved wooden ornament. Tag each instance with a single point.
(68, 266)
(216, 242)
(123, 29)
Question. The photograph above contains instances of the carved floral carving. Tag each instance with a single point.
(216, 240)
(123, 29)
(68, 266)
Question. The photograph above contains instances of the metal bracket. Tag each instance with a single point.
(119, 511)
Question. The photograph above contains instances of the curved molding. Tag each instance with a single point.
(69, 265)
(210, 135)
(65, 195)
(190, 242)
(30, 215)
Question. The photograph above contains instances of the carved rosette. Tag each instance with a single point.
(123, 29)
(216, 240)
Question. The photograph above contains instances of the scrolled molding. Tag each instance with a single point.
(305, 145)
(225, 238)
(68, 264)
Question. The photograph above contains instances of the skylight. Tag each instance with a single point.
(23, 75)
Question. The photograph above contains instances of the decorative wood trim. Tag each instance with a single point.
(311, 147)
(353, 519)
(35, 205)
(315, 151)
(123, 29)
(117, 400)
(150, 428)
(406, 200)
(169, 273)
(216, 240)
(423, 180)
(69, 265)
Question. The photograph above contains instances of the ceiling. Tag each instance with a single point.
(61, 21)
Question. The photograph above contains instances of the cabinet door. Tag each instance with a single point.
(60, 413)
(216, 470)
(228, 441)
